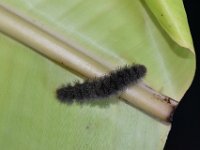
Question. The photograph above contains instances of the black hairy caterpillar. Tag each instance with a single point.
(101, 87)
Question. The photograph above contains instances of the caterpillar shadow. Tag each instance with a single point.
(101, 102)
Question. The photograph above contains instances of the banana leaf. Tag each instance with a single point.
(114, 33)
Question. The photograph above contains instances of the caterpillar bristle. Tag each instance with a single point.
(101, 87)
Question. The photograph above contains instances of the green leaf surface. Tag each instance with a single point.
(171, 16)
(114, 33)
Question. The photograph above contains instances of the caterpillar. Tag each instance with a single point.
(102, 87)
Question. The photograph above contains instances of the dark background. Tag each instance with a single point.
(185, 131)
